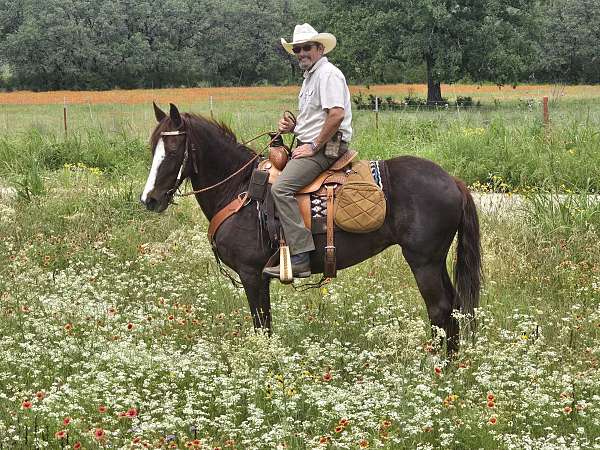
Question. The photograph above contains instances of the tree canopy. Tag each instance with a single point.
(102, 44)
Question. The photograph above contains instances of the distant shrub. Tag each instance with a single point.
(390, 104)
(466, 101)
(415, 101)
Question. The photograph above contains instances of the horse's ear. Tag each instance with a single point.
(159, 113)
(175, 116)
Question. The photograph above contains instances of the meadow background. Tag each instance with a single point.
(117, 331)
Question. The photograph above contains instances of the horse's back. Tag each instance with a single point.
(424, 199)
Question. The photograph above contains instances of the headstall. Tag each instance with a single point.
(185, 159)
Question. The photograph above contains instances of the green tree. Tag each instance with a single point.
(480, 39)
(571, 45)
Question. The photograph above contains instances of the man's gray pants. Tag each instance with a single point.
(297, 174)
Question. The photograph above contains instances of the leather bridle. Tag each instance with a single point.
(186, 156)
(171, 192)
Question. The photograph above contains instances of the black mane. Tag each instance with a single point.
(201, 131)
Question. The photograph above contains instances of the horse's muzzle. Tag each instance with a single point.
(152, 204)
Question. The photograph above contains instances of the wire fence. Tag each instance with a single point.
(138, 119)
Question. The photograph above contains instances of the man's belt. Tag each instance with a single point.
(343, 146)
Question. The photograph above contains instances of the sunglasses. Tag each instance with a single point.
(305, 47)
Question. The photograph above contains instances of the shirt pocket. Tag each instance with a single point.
(305, 98)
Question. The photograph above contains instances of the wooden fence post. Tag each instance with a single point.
(376, 113)
(546, 112)
(65, 115)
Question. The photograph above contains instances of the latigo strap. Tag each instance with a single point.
(330, 270)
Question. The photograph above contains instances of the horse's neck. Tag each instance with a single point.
(212, 171)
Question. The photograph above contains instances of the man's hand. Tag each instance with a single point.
(286, 125)
(303, 151)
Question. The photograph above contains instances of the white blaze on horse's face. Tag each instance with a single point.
(159, 156)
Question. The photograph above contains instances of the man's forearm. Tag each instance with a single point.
(335, 117)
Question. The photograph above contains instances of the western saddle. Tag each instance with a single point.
(324, 186)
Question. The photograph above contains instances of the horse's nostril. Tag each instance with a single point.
(151, 203)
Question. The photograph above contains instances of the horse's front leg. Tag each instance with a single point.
(259, 299)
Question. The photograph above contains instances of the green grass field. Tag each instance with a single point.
(117, 331)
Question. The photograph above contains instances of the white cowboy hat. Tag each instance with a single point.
(305, 33)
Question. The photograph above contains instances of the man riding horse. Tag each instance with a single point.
(323, 129)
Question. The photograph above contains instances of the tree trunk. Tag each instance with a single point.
(434, 90)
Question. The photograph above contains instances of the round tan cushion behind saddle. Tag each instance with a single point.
(359, 207)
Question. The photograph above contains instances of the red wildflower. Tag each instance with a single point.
(77, 445)
(493, 420)
(40, 395)
(363, 443)
(68, 327)
(491, 404)
(437, 370)
(343, 422)
(339, 429)
(102, 409)
(66, 421)
(136, 439)
(327, 376)
(99, 434)
(567, 410)
(26, 404)
(130, 326)
(197, 443)
(491, 397)
(324, 440)
(60, 434)
(131, 412)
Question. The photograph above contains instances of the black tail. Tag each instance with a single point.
(467, 271)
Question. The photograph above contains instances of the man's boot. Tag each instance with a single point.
(300, 267)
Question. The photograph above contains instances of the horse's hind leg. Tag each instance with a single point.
(437, 291)
(257, 291)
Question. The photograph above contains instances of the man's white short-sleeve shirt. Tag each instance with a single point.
(324, 87)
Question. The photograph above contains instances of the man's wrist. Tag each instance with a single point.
(314, 146)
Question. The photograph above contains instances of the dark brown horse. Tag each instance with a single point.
(426, 208)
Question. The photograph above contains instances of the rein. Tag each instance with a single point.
(274, 136)
(199, 191)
